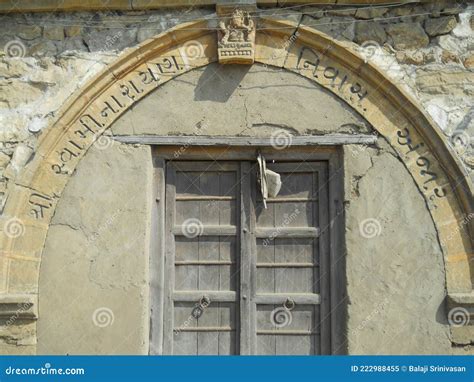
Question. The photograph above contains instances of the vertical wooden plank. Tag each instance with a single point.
(209, 186)
(265, 276)
(227, 312)
(245, 255)
(228, 274)
(186, 277)
(185, 343)
(337, 254)
(187, 183)
(168, 320)
(229, 186)
(294, 345)
(208, 342)
(209, 247)
(266, 345)
(209, 275)
(322, 218)
(252, 261)
(157, 258)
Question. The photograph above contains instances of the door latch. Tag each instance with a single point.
(202, 304)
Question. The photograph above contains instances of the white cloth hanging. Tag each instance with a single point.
(270, 181)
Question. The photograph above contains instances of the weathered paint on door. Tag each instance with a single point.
(239, 278)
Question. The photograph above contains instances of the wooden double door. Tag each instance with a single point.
(240, 278)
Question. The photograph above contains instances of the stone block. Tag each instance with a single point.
(109, 39)
(27, 32)
(73, 44)
(23, 276)
(14, 93)
(441, 25)
(443, 82)
(149, 30)
(73, 30)
(340, 28)
(462, 335)
(53, 32)
(407, 36)
(4, 160)
(469, 62)
(370, 13)
(370, 31)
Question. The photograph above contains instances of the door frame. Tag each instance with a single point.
(333, 155)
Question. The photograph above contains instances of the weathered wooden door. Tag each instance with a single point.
(239, 278)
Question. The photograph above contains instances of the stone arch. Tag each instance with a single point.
(438, 174)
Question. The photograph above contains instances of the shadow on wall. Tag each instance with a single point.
(225, 78)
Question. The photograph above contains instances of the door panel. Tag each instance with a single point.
(202, 258)
(299, 337)
(259, 268)
(205, 263)
(212, 333)
(288, 261)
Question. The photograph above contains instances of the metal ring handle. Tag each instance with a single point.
(204, 301)
(289, 304)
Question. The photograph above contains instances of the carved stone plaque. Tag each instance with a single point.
(236, 35)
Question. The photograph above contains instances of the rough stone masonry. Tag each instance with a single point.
(45, 57)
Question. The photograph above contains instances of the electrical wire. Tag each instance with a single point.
(269, 28)
(256, 14)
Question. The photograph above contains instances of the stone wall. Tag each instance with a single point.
(46, 57)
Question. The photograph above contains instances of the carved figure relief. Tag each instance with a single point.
(236, 38)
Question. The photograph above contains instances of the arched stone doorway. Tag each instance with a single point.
(367, 96)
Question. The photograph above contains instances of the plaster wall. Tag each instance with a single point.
(96, 254)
